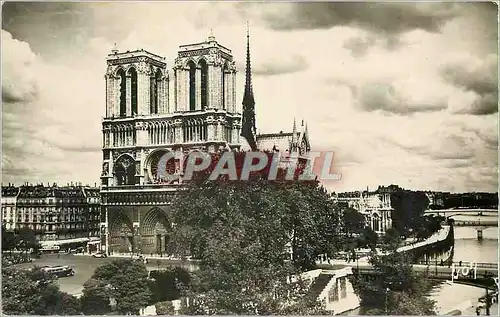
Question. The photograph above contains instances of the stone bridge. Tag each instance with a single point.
(481, 277)
(463, 212)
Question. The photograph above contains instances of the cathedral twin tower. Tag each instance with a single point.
(141, 124)
(138, 82)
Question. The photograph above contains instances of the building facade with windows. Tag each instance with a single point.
(374, 206)
(9, 203)
(66, 215)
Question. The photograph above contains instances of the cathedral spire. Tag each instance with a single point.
(248, 98)
(293, 142)
(248, 129)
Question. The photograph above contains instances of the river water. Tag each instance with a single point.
(468, 249)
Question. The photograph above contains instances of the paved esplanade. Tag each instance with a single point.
(84, 267)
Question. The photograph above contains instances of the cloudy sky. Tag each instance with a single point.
(402, 93)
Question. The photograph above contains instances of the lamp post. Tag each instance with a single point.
(385, 302)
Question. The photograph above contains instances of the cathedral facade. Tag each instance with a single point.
(141, 125)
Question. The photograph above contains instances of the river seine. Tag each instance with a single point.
(468, 249)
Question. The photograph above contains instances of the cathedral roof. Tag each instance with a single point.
(274, 141)
(285, 141)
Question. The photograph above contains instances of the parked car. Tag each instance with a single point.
(99, 255)
(139, 258)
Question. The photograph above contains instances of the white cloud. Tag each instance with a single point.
(386, 110)
(18, 67)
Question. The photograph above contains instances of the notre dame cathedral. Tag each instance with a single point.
(141, 125)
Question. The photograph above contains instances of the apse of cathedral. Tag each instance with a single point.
(141, 125)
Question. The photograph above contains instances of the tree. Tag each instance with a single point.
(367, 238)
(168, 285)
(27, 239)
(9, 239)
(54, 302)
(96, 298)
(125, 280)
(354, 221)
(409, 207)
(396, 290)
(257, 292)
(165, 308)
(250, 238)
(32, 292)
(392, 239)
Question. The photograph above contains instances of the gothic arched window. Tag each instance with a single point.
(152, 92)
(123, 93)
(192, 86)
(124, 171)
(204, 84)
(133, 97)
(155, 92)
(224, 70)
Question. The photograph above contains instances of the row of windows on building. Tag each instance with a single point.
(50, 201)
(38, 215)
(203, 85)
(192, 131)
(155, 87)
(147, 198)
(63, 210)
(42, 218)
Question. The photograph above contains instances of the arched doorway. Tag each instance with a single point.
(121, 234)
(155, 232)
(161, 234)
(124, 170)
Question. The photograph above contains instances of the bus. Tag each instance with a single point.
(59, 271)
(50, 249)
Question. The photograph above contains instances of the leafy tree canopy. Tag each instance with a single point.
(96, 296)
(397, 289)
(168, 285)
(242, 234)
(32, 292)
(125, 281)
(353, 220)
(23, 238)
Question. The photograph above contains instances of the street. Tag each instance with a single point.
(84, 267)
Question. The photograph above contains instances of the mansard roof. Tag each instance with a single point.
(92, 192)
(10, 191)
(40, 191)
